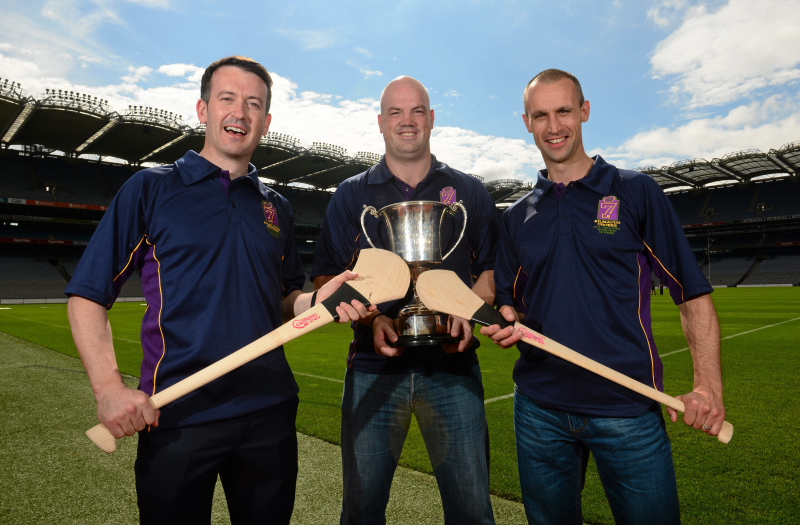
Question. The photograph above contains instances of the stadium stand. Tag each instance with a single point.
(24, 277)
(741, 212)
(781, 269)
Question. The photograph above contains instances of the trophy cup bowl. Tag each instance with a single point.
(415, 231)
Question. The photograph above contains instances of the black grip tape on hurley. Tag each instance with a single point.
(487, 316)
(344, 294)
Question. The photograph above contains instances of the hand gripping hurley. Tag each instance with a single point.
(443, 291)
(382, 276)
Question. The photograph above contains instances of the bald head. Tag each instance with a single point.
(406, 121)
(404, 85)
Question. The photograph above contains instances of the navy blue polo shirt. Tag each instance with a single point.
(578, 265)
(216, 258)
(342, 239)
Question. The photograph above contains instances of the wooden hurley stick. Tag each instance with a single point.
(443, 291)
(382, 276)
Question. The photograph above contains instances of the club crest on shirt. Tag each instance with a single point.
(448, 195)
(271, 218)
(608, 215)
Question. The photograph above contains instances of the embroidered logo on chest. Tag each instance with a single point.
(271, 218)
(447, 195)
(608, 215)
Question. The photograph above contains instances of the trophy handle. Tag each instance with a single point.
(452, 208)
(374, 213)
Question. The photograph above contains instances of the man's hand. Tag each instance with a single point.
(124, 411)
(704, 405)
(347, 312)
(300, 302)
(505, 337)
(704, 410)
(461, 330)
(382, 333)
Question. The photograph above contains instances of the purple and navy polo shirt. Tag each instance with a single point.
(342, 239)
(216, 259)
(577, 263)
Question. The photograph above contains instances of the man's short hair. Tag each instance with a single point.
(548, 76)
(243, 63)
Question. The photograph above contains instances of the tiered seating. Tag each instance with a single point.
(688, 206)
(733, 203)
(728, 269)
(783, 269)
(25, 278)
(308, 206)
(16, 181)
(74, 183)
(782, 196)
(115, 176)
(730, 204)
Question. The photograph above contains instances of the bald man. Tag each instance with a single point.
(384, 384)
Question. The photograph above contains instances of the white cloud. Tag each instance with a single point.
(666, 12)
(309, 38)
(363, 51)
(163, 4)
(192, 72)
(307, 115)
(718, 57)
(760, 125)
(137, 74)
(453, 94)
(364, 71)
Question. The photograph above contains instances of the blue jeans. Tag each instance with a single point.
(376, 415)
(633, 456)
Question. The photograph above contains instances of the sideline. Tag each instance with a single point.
(736, 335)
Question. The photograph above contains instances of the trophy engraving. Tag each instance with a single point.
(415, 235)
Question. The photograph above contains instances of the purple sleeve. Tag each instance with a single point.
(667, 247)
(116, 248)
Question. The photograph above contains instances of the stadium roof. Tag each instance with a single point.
(736, 167)
(79, 124)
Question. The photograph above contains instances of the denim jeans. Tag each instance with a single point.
(633, 456)
(376, 415)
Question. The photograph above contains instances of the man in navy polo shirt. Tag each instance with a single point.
(219, 266)
(384, 385)
(574, 263)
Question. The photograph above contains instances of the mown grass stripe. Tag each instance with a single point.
(67, 328)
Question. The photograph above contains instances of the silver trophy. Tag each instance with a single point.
(415, 231)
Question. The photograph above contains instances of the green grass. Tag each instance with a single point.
(751, 480)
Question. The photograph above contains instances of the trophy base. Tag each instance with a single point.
(423, 340)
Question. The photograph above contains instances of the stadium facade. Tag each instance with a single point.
(64, 155)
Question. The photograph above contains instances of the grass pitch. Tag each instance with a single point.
(751, 480)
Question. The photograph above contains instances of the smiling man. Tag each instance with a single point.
(216, 252)
(574, 263)
(440, 384)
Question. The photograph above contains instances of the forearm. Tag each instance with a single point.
(91, 332)
(701, 328)
(484, 287)
(294, 303)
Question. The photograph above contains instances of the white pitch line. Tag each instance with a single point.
(498, 398)
(65, 327)
(318, 377)
(737, 335)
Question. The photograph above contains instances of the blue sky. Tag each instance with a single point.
(667, 79)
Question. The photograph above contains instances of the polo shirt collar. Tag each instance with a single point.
(599, 178)
(193, 168)
(380, 173)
